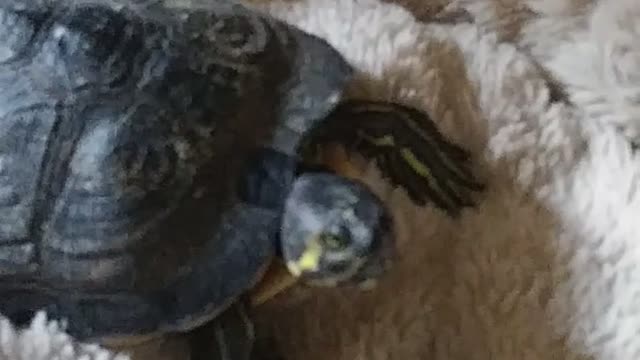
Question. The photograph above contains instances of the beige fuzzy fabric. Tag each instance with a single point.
(546, 93)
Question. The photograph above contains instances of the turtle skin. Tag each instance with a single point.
(124, 128)
(405, 144)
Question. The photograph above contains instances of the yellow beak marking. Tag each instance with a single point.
(309, 261)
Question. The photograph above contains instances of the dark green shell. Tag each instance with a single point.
(124, 126)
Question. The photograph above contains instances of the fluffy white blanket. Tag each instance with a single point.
(547, 95)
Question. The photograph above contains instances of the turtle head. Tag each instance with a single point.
(335, 232)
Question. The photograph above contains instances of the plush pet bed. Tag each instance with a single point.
(546, 93)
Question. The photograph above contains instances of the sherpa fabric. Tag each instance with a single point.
(546, 95)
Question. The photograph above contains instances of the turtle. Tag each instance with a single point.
(153, 167)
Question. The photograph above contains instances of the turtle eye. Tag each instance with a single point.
(333, 242)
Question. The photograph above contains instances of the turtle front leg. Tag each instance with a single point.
(232, 336)
(406, 146)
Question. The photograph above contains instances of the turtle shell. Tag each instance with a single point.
(124, 128)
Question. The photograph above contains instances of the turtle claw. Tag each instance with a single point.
(231, 336)
(407, 148)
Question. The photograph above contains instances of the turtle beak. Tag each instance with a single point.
(308, 261)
